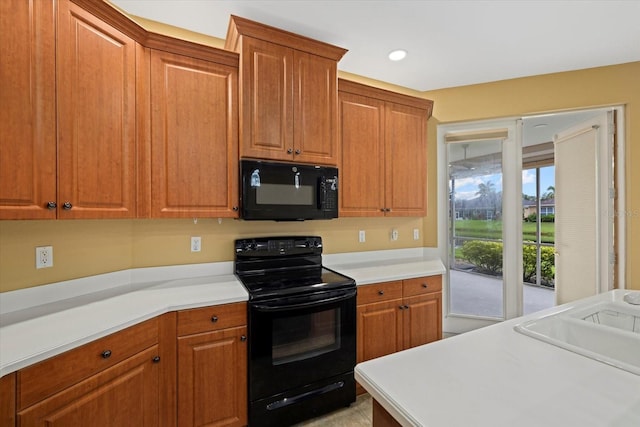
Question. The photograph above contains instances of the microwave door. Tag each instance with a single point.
(282, 191)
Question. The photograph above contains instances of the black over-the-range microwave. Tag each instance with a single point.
(287, 192)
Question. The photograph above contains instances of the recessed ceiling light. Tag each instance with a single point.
(397, 55)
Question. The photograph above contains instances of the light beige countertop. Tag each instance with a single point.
(385, 266)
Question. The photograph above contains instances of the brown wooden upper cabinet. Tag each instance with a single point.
(288, 91)
(68, 145)
(383, 167)
(194, 135)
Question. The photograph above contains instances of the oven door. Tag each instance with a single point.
(300, 340)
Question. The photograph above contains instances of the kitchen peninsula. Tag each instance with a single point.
(495, 377)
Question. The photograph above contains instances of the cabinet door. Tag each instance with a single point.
(95, 74)
(423, 319)
(121, 396)
(379, 330)
(194, 145)
(361, 134)
(315, 109)
(267, 100)
(8, 400)
(212, 378)
(28, 126)
(406, 160)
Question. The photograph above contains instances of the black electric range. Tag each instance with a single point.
(302, 330)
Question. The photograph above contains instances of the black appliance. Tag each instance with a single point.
(287, 191)
(302, 330)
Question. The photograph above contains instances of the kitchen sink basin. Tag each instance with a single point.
(606, 331)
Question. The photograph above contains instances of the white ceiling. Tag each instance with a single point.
(450, 42)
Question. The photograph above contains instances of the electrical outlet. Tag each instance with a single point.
(394, 234)
(361, 236)
(196, 244)
(416, 233)
(44, 256)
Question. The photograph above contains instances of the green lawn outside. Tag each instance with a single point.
(493, 230)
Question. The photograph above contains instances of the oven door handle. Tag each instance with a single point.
(309, 303)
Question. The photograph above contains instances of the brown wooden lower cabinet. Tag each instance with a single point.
(382, 418)
(212, 366)
(394, 316)
(124, 395)
(110, 381)
(187, 368)
(8, 400)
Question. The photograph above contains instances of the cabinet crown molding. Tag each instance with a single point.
(244, 27)
(385, 95)
(112, 15)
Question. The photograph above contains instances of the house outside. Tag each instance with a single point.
(547, 207)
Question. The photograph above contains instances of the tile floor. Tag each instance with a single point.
(357, 415)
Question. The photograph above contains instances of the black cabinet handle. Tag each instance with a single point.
(156, 359)
(106, 354)
(424, 285)
(406, 307)
(214, 319)
(52, 205)
(243, 338)
(235, 209)
(298, 151)
(289, 150)
(380, 292)
(66, 206)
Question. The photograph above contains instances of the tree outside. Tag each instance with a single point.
(477, 233)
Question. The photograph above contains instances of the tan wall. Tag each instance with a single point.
(595, 87)
(88, 247)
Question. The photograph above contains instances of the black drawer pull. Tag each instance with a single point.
(243, 338)
(106, 354)
(380, 292)
(214, 319)
(156, 359)
(424, 285)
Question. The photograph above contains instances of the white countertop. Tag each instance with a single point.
(383, 266)
(43, 321)
(495, 377)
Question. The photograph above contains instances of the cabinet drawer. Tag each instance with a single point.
(211, 318)
(52, 375)
(422, 285)
(378, 292)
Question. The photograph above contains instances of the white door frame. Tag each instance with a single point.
(513, 231)
(512, 228)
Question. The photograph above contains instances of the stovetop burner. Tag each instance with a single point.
(273, 267)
